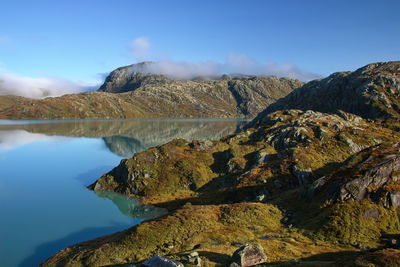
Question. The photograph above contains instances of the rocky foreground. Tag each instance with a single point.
(131, 92)
(298, 187)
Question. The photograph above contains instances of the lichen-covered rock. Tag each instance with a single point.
(372, 173)
(249, 255)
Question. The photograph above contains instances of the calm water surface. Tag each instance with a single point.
(46, 166)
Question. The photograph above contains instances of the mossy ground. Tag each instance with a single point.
(243, 188)
(215, 231)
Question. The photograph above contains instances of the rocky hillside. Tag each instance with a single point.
(302, 188)
(372, 91)
(128, 92)
(266, 185)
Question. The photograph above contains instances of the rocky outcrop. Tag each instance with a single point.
(132, 77)
(373, 173)
(129, 92)
(372, 91)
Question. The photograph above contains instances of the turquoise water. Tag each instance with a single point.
(46, 166)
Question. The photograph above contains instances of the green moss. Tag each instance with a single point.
(355, 222)
(182, 230)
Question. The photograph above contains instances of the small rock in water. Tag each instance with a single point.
(249, 255)
(160, 261)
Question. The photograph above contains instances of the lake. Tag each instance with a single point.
(46, 166)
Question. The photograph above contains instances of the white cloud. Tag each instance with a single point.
(234, 64)
(183, 70)
(13, 139)
(141, 48)
(14, 84)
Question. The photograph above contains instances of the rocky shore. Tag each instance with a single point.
(314, 180)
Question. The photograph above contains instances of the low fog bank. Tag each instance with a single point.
(14, 84)
(235, 65)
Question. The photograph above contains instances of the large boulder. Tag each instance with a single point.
(249, 255)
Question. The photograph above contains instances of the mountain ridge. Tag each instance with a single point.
(127, 94)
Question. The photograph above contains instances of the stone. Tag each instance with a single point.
(161, 261)
(249, 255)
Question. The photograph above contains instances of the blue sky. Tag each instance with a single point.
(78, 40)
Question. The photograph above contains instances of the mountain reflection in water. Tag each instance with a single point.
(122, 137)
(131, 207)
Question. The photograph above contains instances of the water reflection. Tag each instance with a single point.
(131, 207)
(122, 137)
(46, 167)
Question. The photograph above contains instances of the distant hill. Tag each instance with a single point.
(130, 92)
